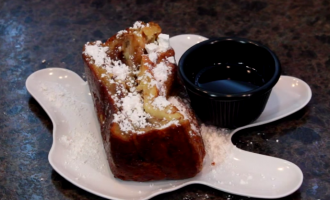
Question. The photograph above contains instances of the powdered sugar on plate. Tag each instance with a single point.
(80, 139)
(217, 143)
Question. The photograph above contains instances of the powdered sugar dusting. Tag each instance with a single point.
(80, 137)
(175, 122)
(182, 105)
(97, 52)
(98, 56)
(132, 113)
(217, 143)
(161, 45)
(161, 72)
(160, 102)
(153, 57)
(120, 33)
(164, 42)
(152, 47)
(118, 69)
(138, 24)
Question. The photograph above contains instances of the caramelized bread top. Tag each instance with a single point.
(138, 69)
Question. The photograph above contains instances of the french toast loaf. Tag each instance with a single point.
(148, 133)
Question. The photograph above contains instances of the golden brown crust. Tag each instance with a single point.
(175, 151)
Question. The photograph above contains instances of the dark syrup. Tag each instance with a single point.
(229, 78)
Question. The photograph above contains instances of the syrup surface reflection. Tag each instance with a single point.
(229, 78)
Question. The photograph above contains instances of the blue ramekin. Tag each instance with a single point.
(229, 110)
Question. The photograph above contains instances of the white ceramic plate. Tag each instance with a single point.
(77, 152)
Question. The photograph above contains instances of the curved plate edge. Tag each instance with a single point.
(302, 105)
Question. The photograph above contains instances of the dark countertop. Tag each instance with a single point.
(37, 34)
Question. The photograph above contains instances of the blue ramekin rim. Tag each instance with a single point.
(220, 96)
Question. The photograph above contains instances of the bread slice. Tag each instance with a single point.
(148, 134)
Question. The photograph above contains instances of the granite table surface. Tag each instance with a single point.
(38, 34)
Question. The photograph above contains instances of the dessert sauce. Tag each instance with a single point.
(229, 78)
